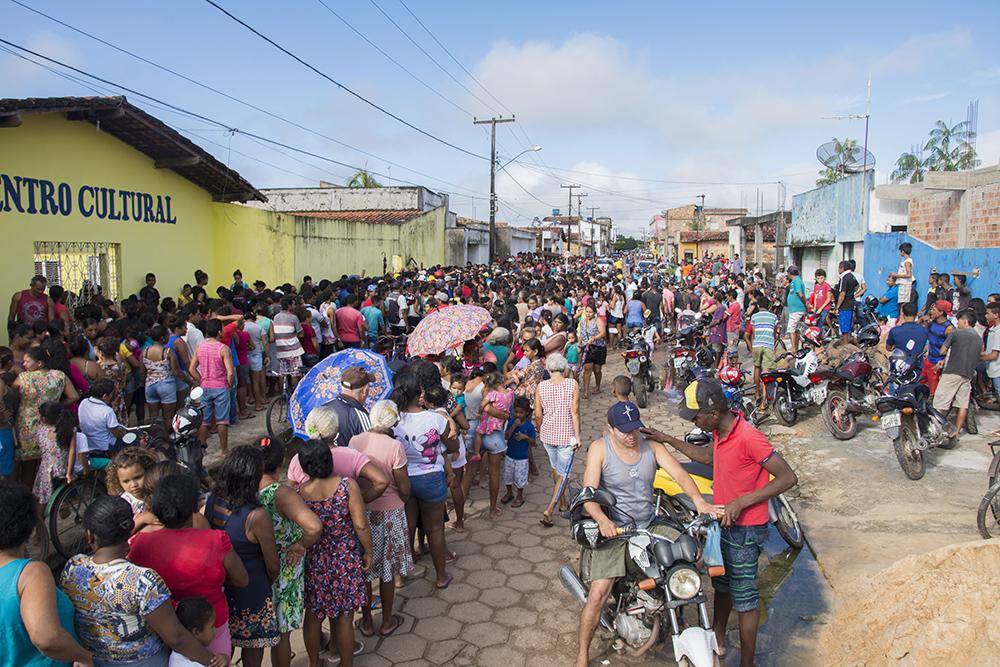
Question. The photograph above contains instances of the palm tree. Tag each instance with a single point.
(948, 149)
(362, 178)
(846, 152)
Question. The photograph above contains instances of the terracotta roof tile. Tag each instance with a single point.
(371, 217)
(708, 235)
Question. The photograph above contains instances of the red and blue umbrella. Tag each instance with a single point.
(322, 384)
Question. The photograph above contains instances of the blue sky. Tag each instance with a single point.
(720, 99)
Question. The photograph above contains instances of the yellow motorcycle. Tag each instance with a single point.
(671, 500)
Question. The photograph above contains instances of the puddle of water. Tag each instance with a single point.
(794, 600)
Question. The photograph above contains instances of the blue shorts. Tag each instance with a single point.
(494, 443)
(6, 451)
(846, 320)
(429, 488)
(741, 547)
(470, 438)
(164, 391)
(559, 458)
(215, 405)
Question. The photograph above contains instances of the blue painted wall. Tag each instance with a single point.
(882, 257)
(832, 213)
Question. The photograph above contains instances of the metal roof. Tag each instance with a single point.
(147, 134)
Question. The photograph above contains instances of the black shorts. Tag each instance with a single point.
(597, 355)
(243, 375)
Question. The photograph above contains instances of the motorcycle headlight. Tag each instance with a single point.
(684, 583)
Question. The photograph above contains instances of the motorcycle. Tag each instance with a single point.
(732, 379)
(854, 388)
(671, 501)
(689, 349)
(662, 578)
(181, 444)
(639, 361)
(791, 389)
(909, 419)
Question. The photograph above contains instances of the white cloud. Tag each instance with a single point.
(921, 99)
(16, 71)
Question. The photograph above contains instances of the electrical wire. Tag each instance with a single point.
(343, 87)
(393, 60)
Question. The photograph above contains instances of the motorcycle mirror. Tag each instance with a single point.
(677, 310)
(129, 438)
(197, 393)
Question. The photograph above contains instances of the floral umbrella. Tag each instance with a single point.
(322, 384)
(447, 328)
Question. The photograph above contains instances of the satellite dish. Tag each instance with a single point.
(845, 157)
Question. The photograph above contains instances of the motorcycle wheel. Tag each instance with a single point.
(787, 523)
(785, 410)
(911, 459)
(844, 428)
(640, 392)
(988, 516)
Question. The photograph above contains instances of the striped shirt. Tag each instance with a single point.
(763, 322)
(286, 340)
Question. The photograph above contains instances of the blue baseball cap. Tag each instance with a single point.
(624, 416)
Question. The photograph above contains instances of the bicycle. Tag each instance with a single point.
(988, 515)
(63, 514)
(279, 424)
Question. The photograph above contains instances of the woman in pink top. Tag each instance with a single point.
(212, 368)
(557, 407)
(391, 554)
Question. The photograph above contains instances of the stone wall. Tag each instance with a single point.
(934, 218)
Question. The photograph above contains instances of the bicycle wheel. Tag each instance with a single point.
(65, 515)
(988, 516)
(278, 426)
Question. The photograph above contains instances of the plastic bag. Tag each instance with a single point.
(713, 551)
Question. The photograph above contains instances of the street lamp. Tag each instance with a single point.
(493, 195)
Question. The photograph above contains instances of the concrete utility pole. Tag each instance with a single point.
(579, 222)
(593, 221)
(569, 214)
(492, 122)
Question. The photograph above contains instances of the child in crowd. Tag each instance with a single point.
(495, 395)
(573, 354)
(198, 617)
(126, 475)
(114, 369)
(621, 388)
(520, 434)
(436, 399)
(56, 437)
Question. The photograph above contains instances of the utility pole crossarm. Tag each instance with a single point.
(492, 122)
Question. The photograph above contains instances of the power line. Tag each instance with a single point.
(192, 114)
(393, 60)
(224, 94)
(343, 87)
(426, 53)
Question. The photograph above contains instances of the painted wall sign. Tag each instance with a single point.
(37, 196)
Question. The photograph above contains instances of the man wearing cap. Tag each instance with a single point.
(743, 462)
(352, 415)
(937, 331)
(623, 463)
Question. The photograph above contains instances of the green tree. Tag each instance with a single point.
(948, 148)
(362, 178)
(846, 152)
(626, 243)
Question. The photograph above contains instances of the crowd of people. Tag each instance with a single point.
(281, 545)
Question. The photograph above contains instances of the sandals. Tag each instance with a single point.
(359, 626)
(546, 521)
(397, 621)
(517, 503)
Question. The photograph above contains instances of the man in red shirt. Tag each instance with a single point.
(743, 462)
(351, 323)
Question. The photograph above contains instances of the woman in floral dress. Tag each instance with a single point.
(296, 529)
(114, 370)
(337, 563)
(36, 385)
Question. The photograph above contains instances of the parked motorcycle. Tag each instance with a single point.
(732, 379)
(181, 444)
(909, 419)
(791, 389)
(639, 361)
(662, 577)
(854, 388)
(671, 500)
(688, 348)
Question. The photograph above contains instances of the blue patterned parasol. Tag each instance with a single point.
(322, 384)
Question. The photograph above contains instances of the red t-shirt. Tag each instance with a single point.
(227, 333)
(738, 469)
(190, 561)
(243, 348)
(308, 339)
(349, 324)
(819, 296)
(733, 313)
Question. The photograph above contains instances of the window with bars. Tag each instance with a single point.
(82, 268)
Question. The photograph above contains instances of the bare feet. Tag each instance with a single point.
(457, 526)
(495, 513)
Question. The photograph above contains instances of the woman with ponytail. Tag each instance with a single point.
(57, 443)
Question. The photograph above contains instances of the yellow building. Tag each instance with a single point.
(97, 190)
